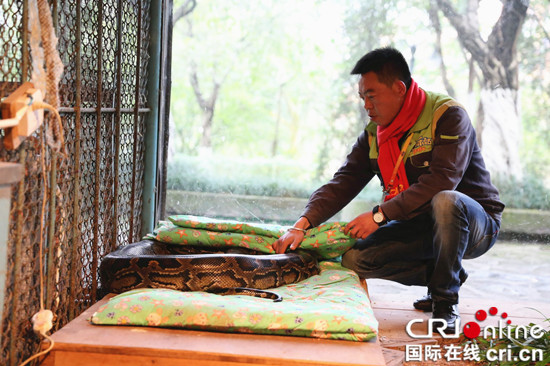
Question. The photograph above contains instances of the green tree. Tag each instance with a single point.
(534, 50)
(498, 119)
(253, 78)
(273, 82)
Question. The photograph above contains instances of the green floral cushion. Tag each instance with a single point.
(329, 305)
(327, 241)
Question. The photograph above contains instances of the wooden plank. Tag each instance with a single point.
(10, 173)
(81, 343)
(71, 358)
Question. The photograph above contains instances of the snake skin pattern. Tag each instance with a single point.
(154, 264)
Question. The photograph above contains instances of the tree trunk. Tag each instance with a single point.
(183, 10)
(499, 124)
(207, 105)
(499, 133)
(436, 24)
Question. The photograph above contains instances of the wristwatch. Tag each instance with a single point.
(378, 216)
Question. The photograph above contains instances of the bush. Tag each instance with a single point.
(529, 193)
(284, 178)
(258, 177)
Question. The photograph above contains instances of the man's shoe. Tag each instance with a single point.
(448, 313)
(426, 303)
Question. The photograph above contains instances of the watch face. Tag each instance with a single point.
(378, 217)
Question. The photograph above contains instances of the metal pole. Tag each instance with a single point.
(133, 233)
(152, 121)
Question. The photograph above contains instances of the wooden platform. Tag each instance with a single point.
(80, 343)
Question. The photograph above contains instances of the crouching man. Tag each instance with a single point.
(439, 205)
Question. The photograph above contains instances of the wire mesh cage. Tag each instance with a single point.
(93, 195)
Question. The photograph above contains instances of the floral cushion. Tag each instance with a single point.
(329, 305)
(327, 241)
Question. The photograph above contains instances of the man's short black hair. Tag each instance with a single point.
(387, 63)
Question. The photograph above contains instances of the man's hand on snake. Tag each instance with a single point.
(361, 227)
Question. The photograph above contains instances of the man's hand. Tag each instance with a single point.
(361, 226)
(292, 238)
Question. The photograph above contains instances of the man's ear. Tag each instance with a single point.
(399, 87)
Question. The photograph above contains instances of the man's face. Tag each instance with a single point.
(382, 102)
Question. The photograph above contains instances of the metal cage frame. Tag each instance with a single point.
(114, 96)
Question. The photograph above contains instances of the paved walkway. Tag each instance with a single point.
(509, 272)
(515, 278)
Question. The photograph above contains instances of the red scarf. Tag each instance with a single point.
(388, 141)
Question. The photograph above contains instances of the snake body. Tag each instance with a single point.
(153, 264)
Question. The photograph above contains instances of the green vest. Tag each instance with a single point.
(423, 129)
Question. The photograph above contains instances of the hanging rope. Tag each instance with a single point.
(44, 52)
(46, 75)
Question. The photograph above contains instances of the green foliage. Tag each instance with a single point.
(259, 177)
(274, 77)
(286, 94)
(288, 178)
(534, 50)
(515, 349)
(529, 193)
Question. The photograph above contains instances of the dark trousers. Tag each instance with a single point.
(428, 249)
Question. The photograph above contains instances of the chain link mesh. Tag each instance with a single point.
(94, 194)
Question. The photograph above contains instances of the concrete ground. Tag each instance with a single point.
(513, 277)
(509, 272)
